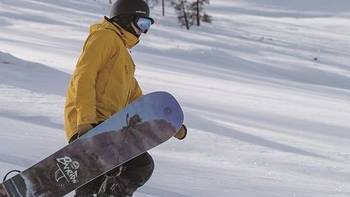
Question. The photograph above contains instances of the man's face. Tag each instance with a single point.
(137, 30)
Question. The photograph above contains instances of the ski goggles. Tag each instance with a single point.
(144, 24)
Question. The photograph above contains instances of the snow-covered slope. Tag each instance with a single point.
(265, 89)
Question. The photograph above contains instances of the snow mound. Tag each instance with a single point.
(265, 90)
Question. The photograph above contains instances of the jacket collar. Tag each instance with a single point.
(129, 39)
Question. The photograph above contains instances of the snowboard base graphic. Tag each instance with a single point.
(89, 157)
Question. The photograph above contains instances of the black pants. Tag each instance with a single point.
(122, 181)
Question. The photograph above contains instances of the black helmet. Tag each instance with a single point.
(130, 8)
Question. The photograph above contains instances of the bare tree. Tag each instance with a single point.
(152, 3)
(197, 12)
(181, 8)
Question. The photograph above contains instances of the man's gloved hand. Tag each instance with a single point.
(181, 134)
(82, 129)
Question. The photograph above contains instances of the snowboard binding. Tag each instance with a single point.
(7, 174)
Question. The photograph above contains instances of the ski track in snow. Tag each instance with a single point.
(265, 90)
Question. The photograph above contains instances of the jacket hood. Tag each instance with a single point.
(128, 38)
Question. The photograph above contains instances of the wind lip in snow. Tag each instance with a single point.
(32, 76)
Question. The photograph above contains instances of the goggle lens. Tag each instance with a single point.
(144, 24)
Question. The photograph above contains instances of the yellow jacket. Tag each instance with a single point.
(103, 82)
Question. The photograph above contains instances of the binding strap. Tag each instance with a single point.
(12, 171)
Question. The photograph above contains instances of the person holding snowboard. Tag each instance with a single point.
(102, 84)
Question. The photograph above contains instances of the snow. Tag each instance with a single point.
(265, 90)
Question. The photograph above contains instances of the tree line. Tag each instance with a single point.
(189, 12)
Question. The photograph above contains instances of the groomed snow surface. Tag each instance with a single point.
(265, 90)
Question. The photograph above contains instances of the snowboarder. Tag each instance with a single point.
(102, 84)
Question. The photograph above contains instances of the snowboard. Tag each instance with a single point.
(142, 125)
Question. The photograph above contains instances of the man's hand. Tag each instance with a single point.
(82, 129)
(181, 134)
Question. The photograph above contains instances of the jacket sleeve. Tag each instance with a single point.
(97, 50)
(137, 92)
